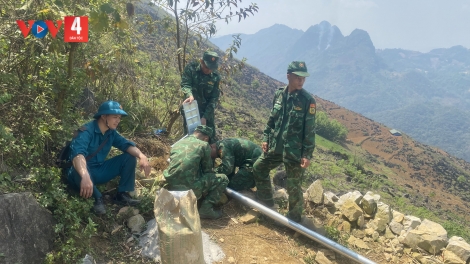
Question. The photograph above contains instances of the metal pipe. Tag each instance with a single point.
(299, 228)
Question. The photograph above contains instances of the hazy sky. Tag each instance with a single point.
(419, 25)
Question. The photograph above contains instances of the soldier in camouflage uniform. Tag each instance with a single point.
(289, 138)
(191, 167)
(237, 152)
(200, 82)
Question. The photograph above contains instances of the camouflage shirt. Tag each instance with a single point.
(204, 88)
(291, 124)
(236, 152)
(189, 159)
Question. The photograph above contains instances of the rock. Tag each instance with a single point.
(358, 233)
(250, 217)
(346, 227)
(397, 216)
(127, 210)
(351, 210)
(281, 194)
(378, 224)
(388, 250)
(369, 202)
(395, 227)
(388, 257)
(315, 192)
(360, 221)
(136, 223)
(353, 241)
(231, 260)
(451, 258)
(429, 236)
(355, 196)
(26, 229)
(389, 234)
(313, 224)
(321, 259)
(411, 222)
(369, 231)
(375, 235)
(459, 247)
(384, 212)
(329, 199)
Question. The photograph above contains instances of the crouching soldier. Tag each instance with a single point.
(237, 152)
(191, 167)
(88, 150)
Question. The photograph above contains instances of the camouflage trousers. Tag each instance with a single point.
(243, 179)
(209, 185)
(261, 168)
(209, 122)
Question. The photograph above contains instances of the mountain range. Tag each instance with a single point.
(426, 95)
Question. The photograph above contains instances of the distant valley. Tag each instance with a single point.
(426, 95)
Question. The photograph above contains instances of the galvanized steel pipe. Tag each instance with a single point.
(299, 228)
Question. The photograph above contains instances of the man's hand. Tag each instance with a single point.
(86, 187)
(265, 147)
(203, 121)
(144, 165)
(304, 162)
(189, 99)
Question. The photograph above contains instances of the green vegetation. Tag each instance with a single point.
(329, 128)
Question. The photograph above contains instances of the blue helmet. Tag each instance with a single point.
(110, 108)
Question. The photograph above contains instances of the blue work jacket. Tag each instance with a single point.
(89, 138)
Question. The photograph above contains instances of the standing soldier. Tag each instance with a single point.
(200, 82)
(237, 152)
(191, 167)
(289, 137)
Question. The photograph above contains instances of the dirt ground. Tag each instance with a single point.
(262, 241)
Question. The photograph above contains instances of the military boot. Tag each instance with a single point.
(207, 211)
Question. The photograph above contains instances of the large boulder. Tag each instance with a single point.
(329, 199)
(315, 192)
(351, 210)
(26, 229)
(459, 247)
(429, 236)
(369, 202)
(384, 212)
(355, 196)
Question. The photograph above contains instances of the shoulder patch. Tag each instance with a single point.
(313, 109)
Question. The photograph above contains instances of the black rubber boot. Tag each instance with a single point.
(124, 198)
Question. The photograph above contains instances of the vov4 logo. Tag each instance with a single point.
(75, 28)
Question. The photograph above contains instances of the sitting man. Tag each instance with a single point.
(88, 150)
(191, 167)
(237, 152)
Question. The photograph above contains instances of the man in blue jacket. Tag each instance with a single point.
(89, 148)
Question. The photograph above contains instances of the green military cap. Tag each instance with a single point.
(298, 68)
(205, 130)
(210, 59)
